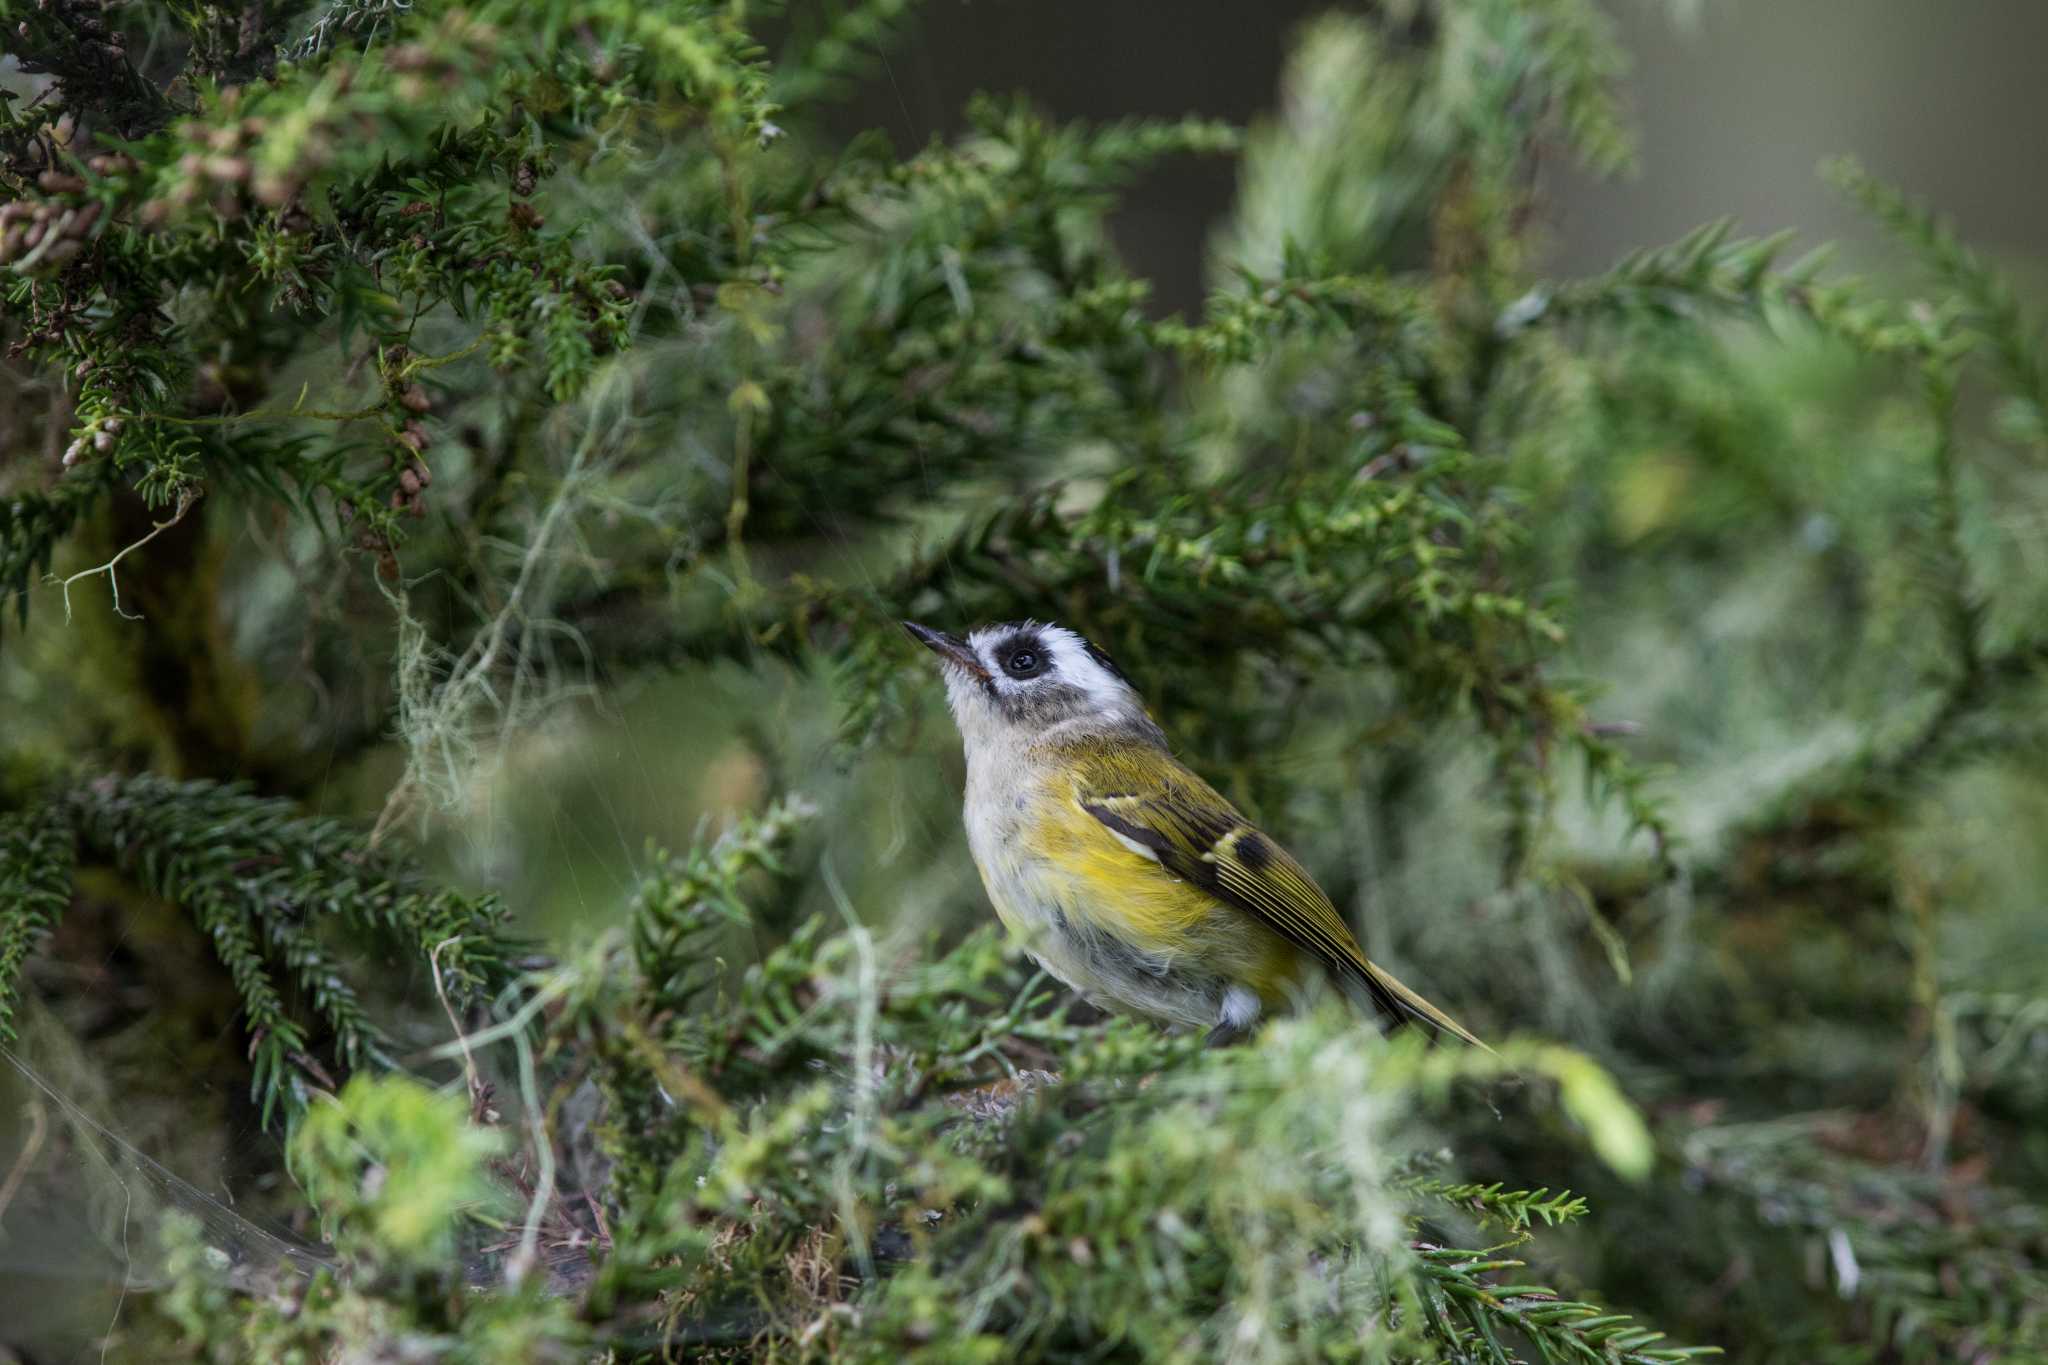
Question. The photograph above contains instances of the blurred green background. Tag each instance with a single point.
(1737, 102)
(1730, 665)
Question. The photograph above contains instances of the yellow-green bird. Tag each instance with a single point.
(1124, 874)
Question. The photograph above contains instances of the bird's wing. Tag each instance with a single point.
(1159, 806)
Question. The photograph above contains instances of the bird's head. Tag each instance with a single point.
(1015, 680)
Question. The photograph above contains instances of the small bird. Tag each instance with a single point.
(1124, 874)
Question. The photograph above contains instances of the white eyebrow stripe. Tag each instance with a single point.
(1071, 657)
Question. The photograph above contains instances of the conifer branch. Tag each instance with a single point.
(257, 880)
(37, 853)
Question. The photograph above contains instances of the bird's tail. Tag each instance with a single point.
(1403, 1005)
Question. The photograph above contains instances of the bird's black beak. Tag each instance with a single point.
(951, 648)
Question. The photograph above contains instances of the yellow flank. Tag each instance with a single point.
(1140, 850)
(1130, 896)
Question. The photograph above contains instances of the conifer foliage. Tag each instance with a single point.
(392, 386)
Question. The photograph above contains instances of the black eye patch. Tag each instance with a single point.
(1023, 656)
(1024, 662)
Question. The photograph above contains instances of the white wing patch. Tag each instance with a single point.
(1132, 844)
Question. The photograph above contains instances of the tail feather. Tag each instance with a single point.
(1402, 1004)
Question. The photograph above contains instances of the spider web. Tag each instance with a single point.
(247, 1253)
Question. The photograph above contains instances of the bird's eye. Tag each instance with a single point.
(1023, 664)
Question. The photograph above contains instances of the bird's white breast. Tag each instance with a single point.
(999, 815)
